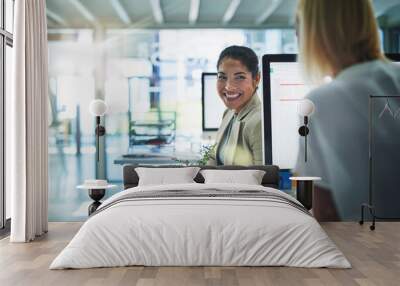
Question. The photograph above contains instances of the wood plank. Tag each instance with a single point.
(375, 257)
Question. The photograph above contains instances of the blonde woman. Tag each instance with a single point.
(340, 39)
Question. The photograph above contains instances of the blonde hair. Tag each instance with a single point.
(335, 34)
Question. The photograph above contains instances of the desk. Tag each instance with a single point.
(157, 159)
(146, 161)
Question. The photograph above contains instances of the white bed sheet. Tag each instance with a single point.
(200, 231)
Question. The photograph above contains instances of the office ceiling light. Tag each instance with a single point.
(230, 11)
(120, 10)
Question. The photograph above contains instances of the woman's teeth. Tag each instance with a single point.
(232, 96)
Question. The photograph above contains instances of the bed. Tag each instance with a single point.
(201, 224)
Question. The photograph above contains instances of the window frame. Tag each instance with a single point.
(6, 39)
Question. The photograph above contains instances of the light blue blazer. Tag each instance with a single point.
(338, 140)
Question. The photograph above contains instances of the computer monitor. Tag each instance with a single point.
(283, 87)
(212, 106)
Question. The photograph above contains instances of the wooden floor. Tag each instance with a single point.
(375, 257)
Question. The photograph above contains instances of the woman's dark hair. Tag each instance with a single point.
(243, 54)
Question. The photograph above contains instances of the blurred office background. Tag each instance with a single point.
(145, 58)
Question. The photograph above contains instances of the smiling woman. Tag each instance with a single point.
(238, 140)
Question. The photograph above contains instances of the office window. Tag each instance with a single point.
(9, 12)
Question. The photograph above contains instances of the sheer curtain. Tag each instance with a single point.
(28, 122)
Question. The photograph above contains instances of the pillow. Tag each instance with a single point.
(249, 177)
(165, 176)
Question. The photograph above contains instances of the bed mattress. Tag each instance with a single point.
(201, 225)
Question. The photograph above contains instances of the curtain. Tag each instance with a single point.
(28, 122)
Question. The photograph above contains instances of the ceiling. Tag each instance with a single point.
(180, 14)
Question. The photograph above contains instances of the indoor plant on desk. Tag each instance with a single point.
(205, 152)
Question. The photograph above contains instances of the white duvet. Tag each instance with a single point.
(200, 231)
